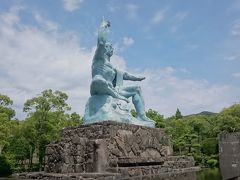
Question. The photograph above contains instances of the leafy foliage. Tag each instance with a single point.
(158, 118)
(6, 114)
(229, 119)
(25, 139)
(5, 167)
(178, 114)
(47, 114)
(5, 102)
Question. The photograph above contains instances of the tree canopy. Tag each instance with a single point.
(49, 112)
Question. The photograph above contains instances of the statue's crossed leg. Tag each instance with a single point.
(137, 99)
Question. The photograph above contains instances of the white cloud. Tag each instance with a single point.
(128, 41)
(191, 46)
(233, 57)
(112, 7)
(235, 31)
(183, 70)
(159, 16)
(34, 59)
(71, 5)
(233, 6)
(174, 29)
(178, 20)
(236, 75)
(132, 10)
(166, 92)
(47, 24)
(181, 15)
(11, 17)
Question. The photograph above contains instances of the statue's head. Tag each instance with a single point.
(109, 49)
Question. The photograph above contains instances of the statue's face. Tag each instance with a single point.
(109, 49)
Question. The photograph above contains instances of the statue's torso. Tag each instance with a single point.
(104, 69)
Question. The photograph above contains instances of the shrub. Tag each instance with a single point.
(5, 167)
(212, 163)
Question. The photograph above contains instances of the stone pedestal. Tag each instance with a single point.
(125, 150)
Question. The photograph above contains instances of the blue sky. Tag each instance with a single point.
(188, 50)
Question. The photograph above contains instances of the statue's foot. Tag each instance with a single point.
(146, 121)
(145, 118)
(123, 98)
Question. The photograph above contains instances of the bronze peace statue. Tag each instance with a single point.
(109, 97)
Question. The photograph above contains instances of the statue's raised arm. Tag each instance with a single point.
(102, 37)
(102, 32)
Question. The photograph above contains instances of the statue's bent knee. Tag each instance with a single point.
(98, 85)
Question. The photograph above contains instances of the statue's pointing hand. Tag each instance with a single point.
(105, 24)
(141, 78)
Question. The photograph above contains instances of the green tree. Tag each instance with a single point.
(158, 118)
(177, 130)
(191, 142)
(46, 117)
(4, 131)
(6, 114)
(75, 119)
(178, 114)
(229, 119)
(5, 167)
(210, 146)
(179, 144)
(5, 103)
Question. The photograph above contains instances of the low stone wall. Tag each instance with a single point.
(68, 176)
(142, 173)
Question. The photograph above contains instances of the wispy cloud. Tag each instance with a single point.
(34, 59)
(159, 16)
(112, 7)
(173, 29)
(178, 20)
(165, 92)
(47, 24)
(234, 57)
(236, 75)
(12, 16)
(181, 15)
(234, 6)
(192, 46)
(132, 10)
(128, 41)
(235, 31)
(71, 5)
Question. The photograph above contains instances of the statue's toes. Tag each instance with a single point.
(145, 118)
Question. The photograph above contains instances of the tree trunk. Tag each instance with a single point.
(1, 148)
(30, 156)
(39, 158)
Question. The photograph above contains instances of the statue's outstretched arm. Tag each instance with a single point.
(127, 76)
